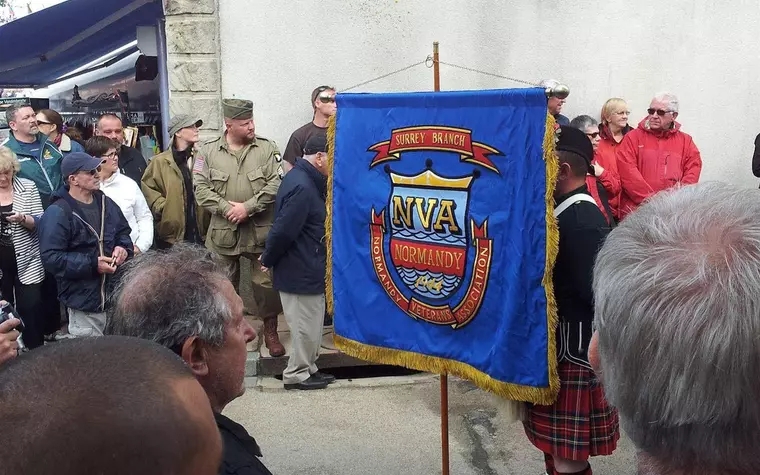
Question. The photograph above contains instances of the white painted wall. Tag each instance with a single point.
(705, 51)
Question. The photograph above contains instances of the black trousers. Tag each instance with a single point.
(29, 305)
(54, 315)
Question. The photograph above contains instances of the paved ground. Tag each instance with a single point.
(389, 426)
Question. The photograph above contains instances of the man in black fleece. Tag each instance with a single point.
(131, 161)
(296, 253)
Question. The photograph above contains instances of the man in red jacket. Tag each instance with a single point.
(656, 156)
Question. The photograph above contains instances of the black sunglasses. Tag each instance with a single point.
(659, 112)
(593, 136)
(93, 172)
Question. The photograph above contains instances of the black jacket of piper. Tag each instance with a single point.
(582, 231)
(295, 248)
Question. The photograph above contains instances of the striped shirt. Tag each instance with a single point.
(26, 200)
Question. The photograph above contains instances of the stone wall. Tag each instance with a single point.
(193, 49)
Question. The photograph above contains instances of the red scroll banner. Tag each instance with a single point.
(467, 308)
(438, 138)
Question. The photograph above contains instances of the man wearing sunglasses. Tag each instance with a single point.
(323, 103)
(656, 156)
(84, 238)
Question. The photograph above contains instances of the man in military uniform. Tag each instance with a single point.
(236, 178)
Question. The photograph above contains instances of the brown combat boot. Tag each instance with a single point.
(271, 338)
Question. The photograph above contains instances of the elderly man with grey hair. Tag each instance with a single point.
(182, 298)
(656, 156)
(555, 103)
(677, 299)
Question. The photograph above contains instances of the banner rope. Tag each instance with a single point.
(428, 62)
(486, 73)
(385, 75)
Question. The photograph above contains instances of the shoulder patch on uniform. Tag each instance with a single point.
(278, 157)
(200, 160)
(280, 172)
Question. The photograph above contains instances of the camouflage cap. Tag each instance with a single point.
(237, 109)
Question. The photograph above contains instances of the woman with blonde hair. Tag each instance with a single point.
(20, 263)
(612, 128)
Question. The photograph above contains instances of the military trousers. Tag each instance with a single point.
(267, 299)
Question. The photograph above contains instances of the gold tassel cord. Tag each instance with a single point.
(329, 302)
(552, 248)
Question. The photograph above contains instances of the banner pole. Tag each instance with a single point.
(444, 376)
(436, 68)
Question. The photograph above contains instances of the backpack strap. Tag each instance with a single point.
(574, 199)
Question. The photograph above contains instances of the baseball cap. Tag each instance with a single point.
(315, 144)
(179, 122)
(575, 141)
(78, 162)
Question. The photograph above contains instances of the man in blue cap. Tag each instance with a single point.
(84, 238)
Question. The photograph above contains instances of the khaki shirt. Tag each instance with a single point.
(219, 177)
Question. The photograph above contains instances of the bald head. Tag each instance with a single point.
(111, 405)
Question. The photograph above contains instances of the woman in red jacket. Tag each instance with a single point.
(604, 184)
(612, 129)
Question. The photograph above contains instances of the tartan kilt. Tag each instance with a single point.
(580, 424)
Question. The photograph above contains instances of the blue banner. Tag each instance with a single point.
(441, 235)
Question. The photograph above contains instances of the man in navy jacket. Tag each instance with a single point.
(296, 253)
(84, 237)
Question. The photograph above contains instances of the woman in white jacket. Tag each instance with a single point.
(124, 191)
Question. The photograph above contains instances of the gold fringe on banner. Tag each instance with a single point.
(552, 248)
(329, 303)
(420, 362)
(433, 364)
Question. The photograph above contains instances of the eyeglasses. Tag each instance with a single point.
(43, 122)
(593, 135)
(659, 112)
(112, 156)
(326, 98)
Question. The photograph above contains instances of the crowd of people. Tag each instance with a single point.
(151, 249)
(655, 283)
(75, 213)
